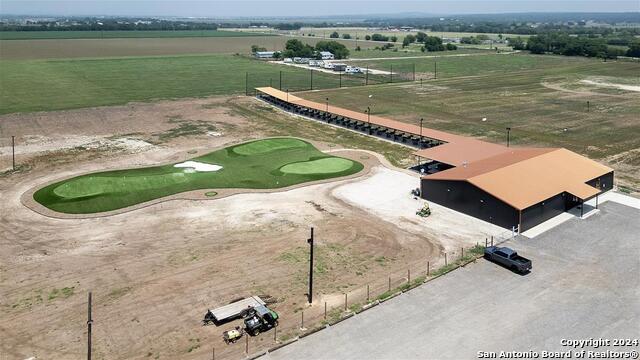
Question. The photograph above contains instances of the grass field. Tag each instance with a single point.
(261, 164)
(26, 35)
(474, 65)
(537, 96)
(93, 48)
(41, 85)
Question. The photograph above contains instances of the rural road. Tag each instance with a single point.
(584, 284)
(427, 56)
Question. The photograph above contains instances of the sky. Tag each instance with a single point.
(267, 8)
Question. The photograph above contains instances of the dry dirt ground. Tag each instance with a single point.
(154, 271)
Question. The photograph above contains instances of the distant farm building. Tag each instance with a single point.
(265, 54)
(325, 55)
(515, 188)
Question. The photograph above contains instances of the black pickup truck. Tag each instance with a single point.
(508, 258)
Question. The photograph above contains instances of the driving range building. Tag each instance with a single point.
(510, 187)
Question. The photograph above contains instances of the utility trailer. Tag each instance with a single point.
(232, 311)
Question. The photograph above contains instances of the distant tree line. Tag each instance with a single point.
(109, 24)
(572, 45)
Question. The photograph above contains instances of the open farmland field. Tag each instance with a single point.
(117, 34)
(361, 32)
(41, 85)
(542, 98)
(456, 66)
(93, 48)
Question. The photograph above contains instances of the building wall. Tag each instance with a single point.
(606, 182)
(467, 198)
(543, 211)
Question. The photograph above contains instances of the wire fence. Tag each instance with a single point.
(334, 308)
(299, 79)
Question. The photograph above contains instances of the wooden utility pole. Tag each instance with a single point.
(310, 242)
(89, 323)
(13, 151)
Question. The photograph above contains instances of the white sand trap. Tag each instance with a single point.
(198, 166)
(611, 85)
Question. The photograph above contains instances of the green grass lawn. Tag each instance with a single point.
(474, 65)
(121, 34)
(43, 85)
(261, 164)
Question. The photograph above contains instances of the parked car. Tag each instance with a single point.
(508, 258)
(288, 60)
(328, 66)
(313, 63)
(352, 70)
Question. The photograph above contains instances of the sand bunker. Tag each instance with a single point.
(198, 166)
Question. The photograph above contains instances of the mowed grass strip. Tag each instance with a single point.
(44, 85)
(122, 34)
(112, 190)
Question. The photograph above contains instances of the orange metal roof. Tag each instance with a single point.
(520, 177)
(524, 177)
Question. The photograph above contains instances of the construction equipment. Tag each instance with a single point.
(425, 211)
(260, 319)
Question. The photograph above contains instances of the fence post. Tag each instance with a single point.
(302, 319)
(389, 283)
(491, 240)
(340, 79)
(414, 71)
(246, 345)
(486, 242)
(345, 301)
(445, 259)
(366, 78)
(367, 292)
(280, 83)
(311, 82)
(325, 310)
(461, 252)
(213, 354)
(408, 275)
(428, 268)
(246, 84)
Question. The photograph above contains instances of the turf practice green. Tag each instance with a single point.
(261, 164)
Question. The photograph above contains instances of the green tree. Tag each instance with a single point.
(338, 50)
(346, 36)
(517, 43)
(334, 35)
(393, 38)
(421, 37)
(367, 37)
(634, 49)
(256, 48)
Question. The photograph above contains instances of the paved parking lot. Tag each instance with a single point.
(585, 284)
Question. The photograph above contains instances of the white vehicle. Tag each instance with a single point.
(320, 63)
(328, 66)
(352, 70)
(312, 63)
(288, 60)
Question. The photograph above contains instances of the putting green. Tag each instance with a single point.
(268, 145)
(327, 166)
(261, 164)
